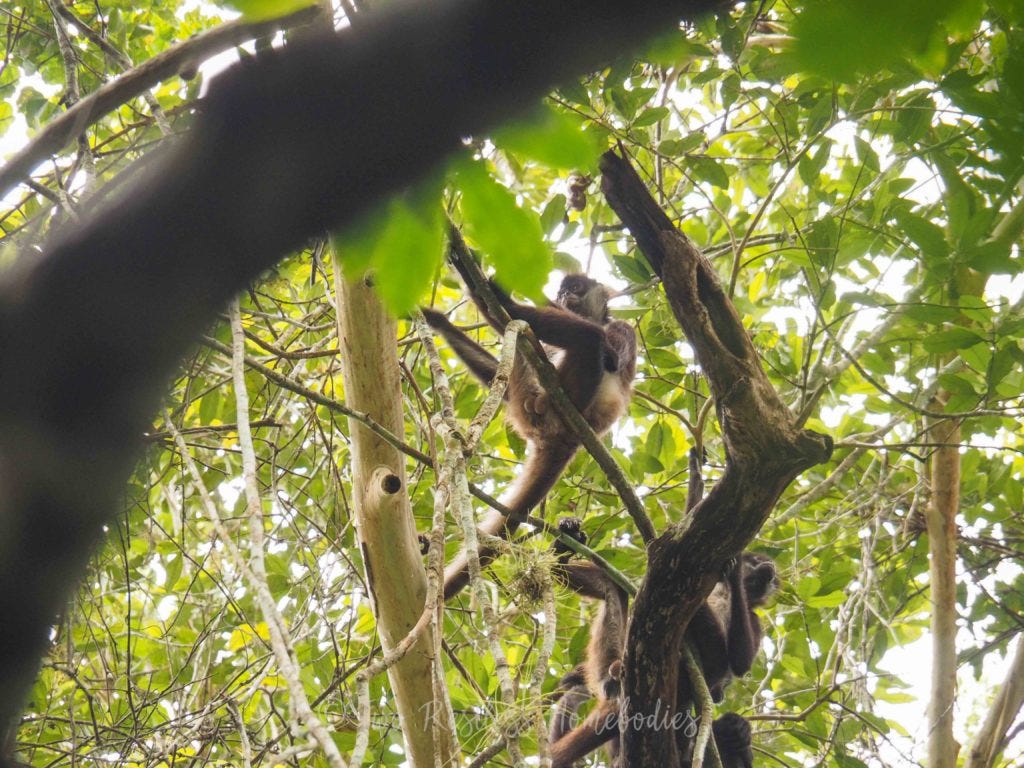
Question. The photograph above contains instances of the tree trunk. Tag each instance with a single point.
(765, 451)
(991, 739)
(394, 566)
(941, 519)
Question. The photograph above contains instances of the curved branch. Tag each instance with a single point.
(65, 128)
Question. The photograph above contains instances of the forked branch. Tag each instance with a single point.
(765, 451)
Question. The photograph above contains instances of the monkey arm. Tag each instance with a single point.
(586, 579)
(706, 635)
(744, 627)
(480, 362)
(591, 350)
(732, 736)
(572, 692)
(582, 369)
(542, 468)
(559, 327)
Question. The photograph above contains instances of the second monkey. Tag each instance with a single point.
(595, 357)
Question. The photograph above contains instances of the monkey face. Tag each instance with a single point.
(760, 578)
(584, 296)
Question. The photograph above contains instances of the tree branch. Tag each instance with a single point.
(287, 146)
(991, 739)
(765, 450)
(70, 124)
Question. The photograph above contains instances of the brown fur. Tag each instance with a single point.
(725, 632)
(596, 362)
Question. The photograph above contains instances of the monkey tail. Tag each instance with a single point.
(572, 692)
(543, 466)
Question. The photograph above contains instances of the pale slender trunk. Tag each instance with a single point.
(941, 518)
(383, 516)
(991, 739)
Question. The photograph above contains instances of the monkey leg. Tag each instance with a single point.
(731, 733)
(600, 727)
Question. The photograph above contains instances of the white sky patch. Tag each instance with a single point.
(230, 490)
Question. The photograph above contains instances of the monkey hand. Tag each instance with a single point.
(571, 527)
(612, 684)
(729, 568)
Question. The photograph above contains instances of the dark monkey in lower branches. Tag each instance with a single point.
(595, 358)
(725, 633)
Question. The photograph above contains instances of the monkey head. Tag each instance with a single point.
(584, 296)
(760, 579)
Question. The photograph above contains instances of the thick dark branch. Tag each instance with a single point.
(764, 452)
(289, 145)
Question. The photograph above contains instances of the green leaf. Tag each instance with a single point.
(663, 358)
(810, 166)
(807, 587)
(706, 169)
(1001, 364)
(667, 49)
(957, 384)
(552, 137)
(650, 116)
(731, 89)
(35, 107)
(632, 268)
(931, 313)
(553, 214)
(510, 237)
(831, 600)
(867, 154)
(655, 438)
(677, 147)
(991, 258)
(924, 234)
(951, 339)
(843, 39)
(401, 242)
(257, 10)
(6, 117)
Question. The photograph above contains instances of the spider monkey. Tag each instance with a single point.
(595, 358)
(725, 632)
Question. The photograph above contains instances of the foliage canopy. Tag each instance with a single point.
(859, 189)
